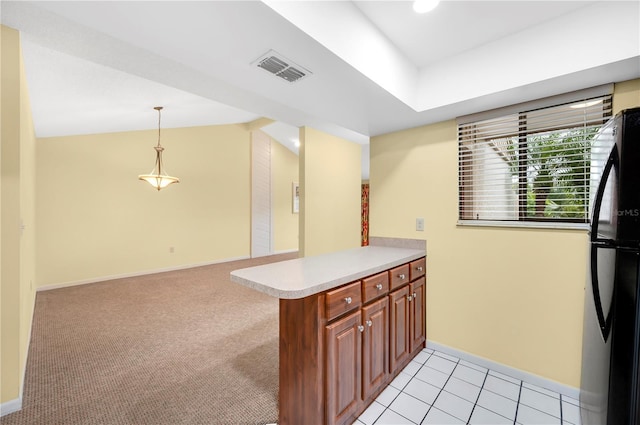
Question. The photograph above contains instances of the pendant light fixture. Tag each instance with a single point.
(156, 177)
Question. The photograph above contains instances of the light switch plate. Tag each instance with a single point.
(420, 224)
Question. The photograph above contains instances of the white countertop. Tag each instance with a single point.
(306, 276)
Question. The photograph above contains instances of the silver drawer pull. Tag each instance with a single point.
(401, 276)
(348, 300)
(379, 286)
(419, 268)
(369, 323)
(361, 328)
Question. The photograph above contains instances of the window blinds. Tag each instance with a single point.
(530, 164)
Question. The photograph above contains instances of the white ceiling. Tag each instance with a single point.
(376, 66)
(421, 38)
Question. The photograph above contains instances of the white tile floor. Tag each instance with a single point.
(436, 388)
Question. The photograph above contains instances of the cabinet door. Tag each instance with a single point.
(417, 320)
(399, 327)
(375, 346)
(344, 377)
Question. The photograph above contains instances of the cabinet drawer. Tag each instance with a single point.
(399, 276)
(343, 299)
(374, 287)
(418, 268)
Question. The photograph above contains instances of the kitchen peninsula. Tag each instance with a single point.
(349, 321)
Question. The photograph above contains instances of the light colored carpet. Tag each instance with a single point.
(182, 347)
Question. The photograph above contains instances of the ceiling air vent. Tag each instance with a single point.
(280, 66)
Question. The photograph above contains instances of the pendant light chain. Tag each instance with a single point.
(159, 109)
(159, 148)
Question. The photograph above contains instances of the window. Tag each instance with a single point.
(532, 164)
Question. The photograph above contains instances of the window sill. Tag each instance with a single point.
(524, 224)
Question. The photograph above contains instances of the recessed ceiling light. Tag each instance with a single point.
(424, 6)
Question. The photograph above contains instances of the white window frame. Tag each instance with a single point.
(520, 220)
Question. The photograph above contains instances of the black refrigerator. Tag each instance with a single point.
(609, 389)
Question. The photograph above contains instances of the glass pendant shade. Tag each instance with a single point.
(157, 181)
(157, 178)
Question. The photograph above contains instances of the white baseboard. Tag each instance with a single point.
(10, 406)
(26, 360)
(508, 370)
(16, 404)
(134, 274)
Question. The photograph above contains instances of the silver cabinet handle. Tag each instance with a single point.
(414, 296)
(401, 276)
(361, 328)
(409, 298)
(348, 300)
(419, 268)
(379, 286)
(369, 323)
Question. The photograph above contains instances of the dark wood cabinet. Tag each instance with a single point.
(399, 328)
(340, 348)
(344, 368)
(417, 269)
(399, 276)
(375, 346)
(343, 299)
(375, 286)
(407, 323)
(357, 360)
(417, 314)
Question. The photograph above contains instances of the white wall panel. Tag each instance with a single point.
(261, 220)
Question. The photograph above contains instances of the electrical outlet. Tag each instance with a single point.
(420, 224)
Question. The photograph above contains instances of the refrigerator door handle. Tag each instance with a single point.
(603, 322)
(612, 163)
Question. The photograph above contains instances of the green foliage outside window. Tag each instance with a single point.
(555, 172)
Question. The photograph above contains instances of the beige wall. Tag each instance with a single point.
(514, 296)
(17, 223)
(627, 95)
(27, 218)
(284, 169)
(330, 182)
(96, 219)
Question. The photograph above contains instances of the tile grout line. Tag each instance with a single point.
(497, 394)
(542, 411)
(518, 404)
(500, 395)
(441, 389)
(383, 410)
(487, 373)
(414, 377)
(540, 392)
(401, 391)
(478, 397)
